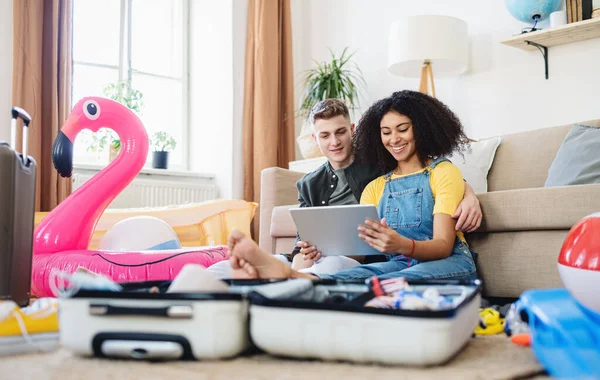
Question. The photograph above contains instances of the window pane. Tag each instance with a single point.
(96, 31)
(163, 109)
(157, 37)
(89, 81)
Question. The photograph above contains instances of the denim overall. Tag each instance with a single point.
(407, 206)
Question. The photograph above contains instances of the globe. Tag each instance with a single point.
(524, 10)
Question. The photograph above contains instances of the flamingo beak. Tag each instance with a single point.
(62, 155)
(62, 150)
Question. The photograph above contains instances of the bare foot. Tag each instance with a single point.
(247, 257)
(240, 268)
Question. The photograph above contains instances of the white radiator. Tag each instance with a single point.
(156, 192)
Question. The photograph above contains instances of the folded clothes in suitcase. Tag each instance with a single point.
(340, 321)
(17, 210)
(143, 321)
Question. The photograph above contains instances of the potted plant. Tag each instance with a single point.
(162, 143)
(338, 78)
(122, 92)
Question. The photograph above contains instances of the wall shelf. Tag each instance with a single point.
(564, 34)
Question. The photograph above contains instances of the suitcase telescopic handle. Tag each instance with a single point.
(17, 113)
(175, 311)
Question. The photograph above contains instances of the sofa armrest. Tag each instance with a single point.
(282, 223)
(277, 188)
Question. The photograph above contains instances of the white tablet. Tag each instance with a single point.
(334, 229)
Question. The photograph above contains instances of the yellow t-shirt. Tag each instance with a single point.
(446, 183)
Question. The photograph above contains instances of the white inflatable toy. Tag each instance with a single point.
(140, 233)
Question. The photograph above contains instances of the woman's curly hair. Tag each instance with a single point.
(437, 130)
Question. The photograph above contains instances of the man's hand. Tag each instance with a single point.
(308, 251)
(468, 212)
(381, 237)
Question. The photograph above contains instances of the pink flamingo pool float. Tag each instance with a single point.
(62, 238)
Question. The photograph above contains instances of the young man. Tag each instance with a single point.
(341, 181)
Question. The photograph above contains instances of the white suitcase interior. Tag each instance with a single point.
(138, 324)
(331, 322)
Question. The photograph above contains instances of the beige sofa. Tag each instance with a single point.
(524, 224)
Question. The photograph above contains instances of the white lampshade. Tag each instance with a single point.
(442, 40)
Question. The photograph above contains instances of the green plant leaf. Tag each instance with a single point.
(162, 142)
(345, 59)
(336, 78)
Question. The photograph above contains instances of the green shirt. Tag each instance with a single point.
(342, 195)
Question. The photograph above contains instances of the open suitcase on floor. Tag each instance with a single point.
(330, 322)
(17, 210)
(297, 318)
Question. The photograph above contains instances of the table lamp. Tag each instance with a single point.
(420, 45)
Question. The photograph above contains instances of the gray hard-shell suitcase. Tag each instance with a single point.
(17, 212)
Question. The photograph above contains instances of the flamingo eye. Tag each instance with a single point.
(91, 109)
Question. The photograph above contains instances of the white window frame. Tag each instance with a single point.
(125, 70)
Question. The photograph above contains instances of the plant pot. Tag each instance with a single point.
(160, 160)
(306, 143)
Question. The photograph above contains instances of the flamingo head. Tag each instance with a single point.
(90, 113)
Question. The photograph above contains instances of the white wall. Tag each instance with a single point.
(6, 53)
(504, 90)
(300, 11)
(240, 21)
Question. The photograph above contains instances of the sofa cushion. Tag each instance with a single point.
(475, 165)
(549, 208)
(577, 161)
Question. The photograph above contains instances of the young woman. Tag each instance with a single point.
(407, 136)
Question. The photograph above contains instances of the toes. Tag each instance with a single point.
(250, 270)
(235, 263)
(232, 241)
(236, 235)
(230, 245)
(240, 274)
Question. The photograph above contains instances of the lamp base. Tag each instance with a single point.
(426, 76)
